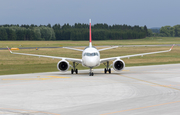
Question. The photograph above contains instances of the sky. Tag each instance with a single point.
(152, 13)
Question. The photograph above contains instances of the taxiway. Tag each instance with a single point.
(143, 90)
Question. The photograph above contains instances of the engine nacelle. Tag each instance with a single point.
(63, 65)
(118, 65)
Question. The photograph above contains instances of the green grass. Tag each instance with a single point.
(16, 64)
(145, 41)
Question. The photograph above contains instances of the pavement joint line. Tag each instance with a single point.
(58, 77)
(156, 72)
(27, 111)
(166, 86)
(141, 108)
(151, 72)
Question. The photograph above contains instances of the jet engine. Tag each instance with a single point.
(118, 65)
(63, 65)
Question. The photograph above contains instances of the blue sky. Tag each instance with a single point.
(153, 13)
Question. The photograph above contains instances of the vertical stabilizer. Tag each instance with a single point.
(90, 38)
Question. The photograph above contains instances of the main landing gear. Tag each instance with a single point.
(107, 69)
(91, 72)
(74, 68)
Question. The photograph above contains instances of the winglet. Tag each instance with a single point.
(9, 49)
(171, 47)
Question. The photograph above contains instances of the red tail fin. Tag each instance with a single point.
(90, 44)
(89, 30)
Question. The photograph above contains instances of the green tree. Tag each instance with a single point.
(165, 31)
(177, 31)
(11, 34)
(146, 30)
(3, 34)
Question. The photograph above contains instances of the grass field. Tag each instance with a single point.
(15, 64)
(146, 41)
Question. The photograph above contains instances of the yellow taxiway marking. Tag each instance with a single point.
(51, 77)
(125, 70)
(27, 79)
(156, 84)
(141, 108)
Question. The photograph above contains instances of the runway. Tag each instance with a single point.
(143, 90)
(98, 46)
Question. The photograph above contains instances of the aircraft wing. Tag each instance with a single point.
(53, 57)
(107, 48)
(128, 56)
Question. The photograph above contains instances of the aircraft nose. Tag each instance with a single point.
(92, 62)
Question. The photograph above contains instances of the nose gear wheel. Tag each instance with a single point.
(91, 72)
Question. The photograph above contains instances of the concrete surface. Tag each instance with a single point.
(143, 90)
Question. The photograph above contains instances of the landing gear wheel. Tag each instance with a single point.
(72, 71)
(105, 71)
(109, 70)
(76, 71)
(74, 68)
(91, 74)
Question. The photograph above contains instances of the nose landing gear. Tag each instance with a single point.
(91, 72)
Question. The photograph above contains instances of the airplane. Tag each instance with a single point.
(91, 58)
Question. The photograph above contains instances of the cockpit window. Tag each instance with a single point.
(91, 54)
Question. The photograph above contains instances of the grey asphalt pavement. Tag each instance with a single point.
(143, 90)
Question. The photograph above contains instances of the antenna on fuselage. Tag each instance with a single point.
(90, 38)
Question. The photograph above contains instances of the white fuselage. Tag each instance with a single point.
(90, 57)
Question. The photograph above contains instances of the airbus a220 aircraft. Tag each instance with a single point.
(91, 58)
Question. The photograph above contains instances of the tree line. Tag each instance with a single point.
(77, 31)
(166, 31)
(26, 32)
